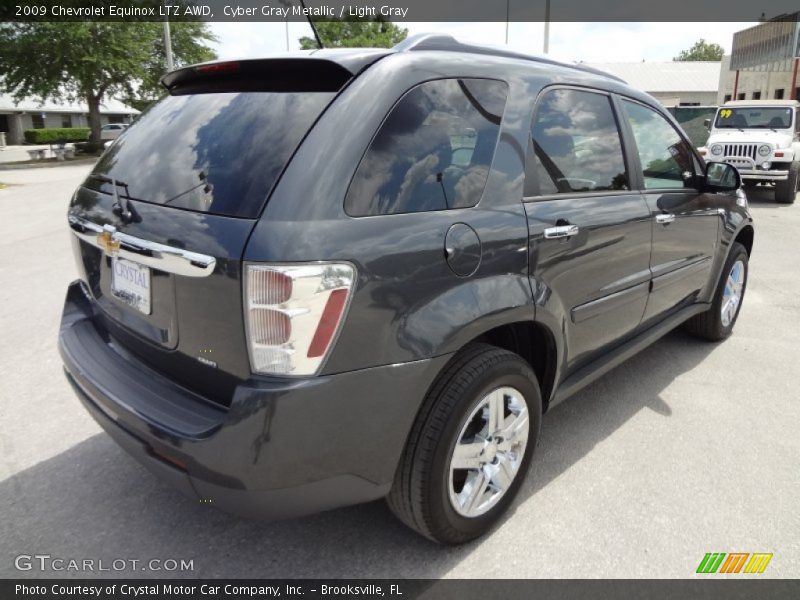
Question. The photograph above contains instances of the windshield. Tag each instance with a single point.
(219, 153)
(754, 117)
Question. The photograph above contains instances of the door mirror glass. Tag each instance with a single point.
(707, 123)
(722, 177)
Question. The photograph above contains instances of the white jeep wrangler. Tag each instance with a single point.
(761, 138)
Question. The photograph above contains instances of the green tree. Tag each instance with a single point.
(188, 47)
(91, 61)
(702, 50)
(356, 33)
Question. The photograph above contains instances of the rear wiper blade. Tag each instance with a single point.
(114, 182)
(120, 207)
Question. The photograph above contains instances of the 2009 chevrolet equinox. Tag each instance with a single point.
(322, 279)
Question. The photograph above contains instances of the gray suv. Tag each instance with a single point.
(332, 277)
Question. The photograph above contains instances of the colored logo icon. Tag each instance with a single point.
(734, 562)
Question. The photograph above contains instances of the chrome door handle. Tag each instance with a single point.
(561, 231)
(665, 219)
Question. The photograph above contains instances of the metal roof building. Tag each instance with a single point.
(673, 83)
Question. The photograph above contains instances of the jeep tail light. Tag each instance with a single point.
(293, 313)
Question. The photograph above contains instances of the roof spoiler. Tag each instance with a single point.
(306, 74)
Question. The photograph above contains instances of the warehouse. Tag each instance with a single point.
(764, 61)
(674, 83)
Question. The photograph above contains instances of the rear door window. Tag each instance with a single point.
(576, 145)
(433, 151)
(217, 153)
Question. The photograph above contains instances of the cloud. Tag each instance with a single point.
(589, 42)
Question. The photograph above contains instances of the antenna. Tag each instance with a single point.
(310, 22)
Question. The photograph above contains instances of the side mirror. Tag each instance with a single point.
(721, 177)
(707, 124)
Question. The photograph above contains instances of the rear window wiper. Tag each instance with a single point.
(115, 183)
(121, 207)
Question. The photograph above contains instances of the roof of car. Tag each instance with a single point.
(762, 103)
(354, 60)
(446, 43)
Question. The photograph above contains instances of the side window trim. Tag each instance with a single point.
(576, 195)
(617, 117)
(697, 163)
(631, 150)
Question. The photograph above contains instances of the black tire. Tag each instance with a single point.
(709, 324)
(786, 191)
(420, 493)
(749, 183)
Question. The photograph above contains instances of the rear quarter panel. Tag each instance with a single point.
(408, 304)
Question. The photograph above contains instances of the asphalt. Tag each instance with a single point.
(687, 448)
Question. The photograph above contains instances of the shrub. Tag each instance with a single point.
(52, 136)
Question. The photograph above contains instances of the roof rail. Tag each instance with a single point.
(443, 42)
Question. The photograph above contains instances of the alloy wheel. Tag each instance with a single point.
(488, 452)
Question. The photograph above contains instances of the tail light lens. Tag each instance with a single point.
(293, 314)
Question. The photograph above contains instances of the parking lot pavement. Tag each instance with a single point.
(685, 449)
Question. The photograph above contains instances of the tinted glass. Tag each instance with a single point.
(216, 153)
(753, 117)
(433, 151)
(576, 145)
(664, 155)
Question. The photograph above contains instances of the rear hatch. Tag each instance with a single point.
(162, 221)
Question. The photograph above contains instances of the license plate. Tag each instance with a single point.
(130, 282)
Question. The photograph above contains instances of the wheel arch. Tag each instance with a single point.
(532, 341)
(745, 238)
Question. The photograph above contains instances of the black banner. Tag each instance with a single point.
(394, 10)
(403, 589)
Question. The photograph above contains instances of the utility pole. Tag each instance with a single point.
(508, 10)
(546, 26)
(287, 4)
(168, 43)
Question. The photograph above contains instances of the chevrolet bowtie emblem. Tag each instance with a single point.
(107, 242)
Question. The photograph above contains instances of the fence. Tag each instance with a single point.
(691, 119)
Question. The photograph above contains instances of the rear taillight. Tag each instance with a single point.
(293, 313)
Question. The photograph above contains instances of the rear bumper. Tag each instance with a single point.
(284, 447)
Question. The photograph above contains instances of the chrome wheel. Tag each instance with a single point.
(732, 294)
(488, 452)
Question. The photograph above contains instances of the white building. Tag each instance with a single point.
(674, 83)
(31, 113)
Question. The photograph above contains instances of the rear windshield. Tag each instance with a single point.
(216, 153)
(754, 117)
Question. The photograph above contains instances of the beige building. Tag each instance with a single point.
(764, 62)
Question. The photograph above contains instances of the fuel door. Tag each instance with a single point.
(462, 249)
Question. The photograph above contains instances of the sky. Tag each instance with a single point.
(587, 42)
